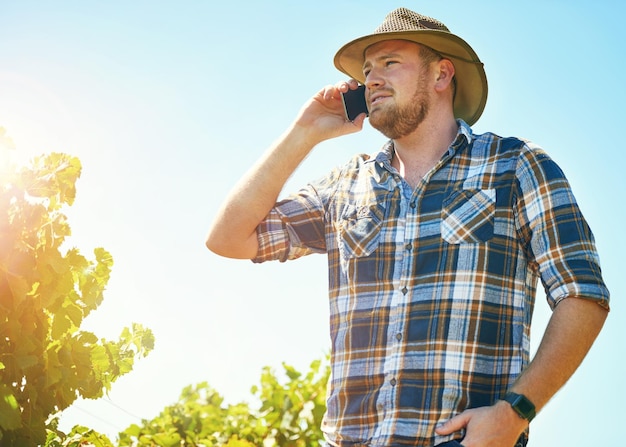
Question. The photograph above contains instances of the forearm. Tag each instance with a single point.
(571, 331)
(573, 327)
(233, 232)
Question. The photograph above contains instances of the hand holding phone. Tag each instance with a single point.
(354, 102)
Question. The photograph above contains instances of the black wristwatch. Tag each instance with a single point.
(521, 404)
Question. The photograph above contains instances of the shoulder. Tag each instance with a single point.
(525, 153)
(491, 142)
(495, 143)
(350, 169)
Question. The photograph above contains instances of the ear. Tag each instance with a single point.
(445, 74)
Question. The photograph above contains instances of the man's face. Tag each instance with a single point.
(397, 84)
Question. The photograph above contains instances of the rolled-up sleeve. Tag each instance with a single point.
(293, 228)
(558, 239)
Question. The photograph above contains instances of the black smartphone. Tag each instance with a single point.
(354, 102)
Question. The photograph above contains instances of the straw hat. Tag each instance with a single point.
(404, 24)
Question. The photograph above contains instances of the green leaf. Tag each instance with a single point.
(60, 326)
(100, 358)
(167, 439)
(87, 338)
(10, 415)
(291, 372)
(74, 313)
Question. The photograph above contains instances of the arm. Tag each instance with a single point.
(233, 233)
(572, 329)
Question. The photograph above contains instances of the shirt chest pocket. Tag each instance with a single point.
(467, 216)
(360, 230)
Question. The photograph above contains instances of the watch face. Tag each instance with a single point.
(524, 405)
(521, 404)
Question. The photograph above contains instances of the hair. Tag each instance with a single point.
(429, 56)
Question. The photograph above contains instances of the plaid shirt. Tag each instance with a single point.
(432, 289)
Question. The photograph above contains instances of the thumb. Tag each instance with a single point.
(356, 125)
(359, 120)
(457, 423)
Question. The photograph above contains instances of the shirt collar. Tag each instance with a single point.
(464, 131)
(464, 136)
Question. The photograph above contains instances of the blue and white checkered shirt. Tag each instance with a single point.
(432, 289)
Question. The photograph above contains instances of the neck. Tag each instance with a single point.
(417, 153)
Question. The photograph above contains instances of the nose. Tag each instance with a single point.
(373, 79)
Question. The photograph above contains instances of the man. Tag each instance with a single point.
(434, 249)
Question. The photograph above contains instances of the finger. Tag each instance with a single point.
(344, 86)
(457, 423)
(331, 94)
(353, 84)
(354, 125)
(359, 120)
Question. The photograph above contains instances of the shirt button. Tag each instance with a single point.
(393, 382)
(409, 246)
(398, 336)
(404, 290)
(413, 205)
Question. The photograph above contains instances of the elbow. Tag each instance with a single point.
(211, 245)
(220, 249)
(213, 241)
(228, 247)
(216, 244)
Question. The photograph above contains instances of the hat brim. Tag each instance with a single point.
(471, 80)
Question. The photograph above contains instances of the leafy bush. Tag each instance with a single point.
(288, 414)
(46, 361)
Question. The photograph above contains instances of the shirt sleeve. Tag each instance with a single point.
(557, 238)
(297, 225)
(293, 228)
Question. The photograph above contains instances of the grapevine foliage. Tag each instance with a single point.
(288, 413)
(46, 291)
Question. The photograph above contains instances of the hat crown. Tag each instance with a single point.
(403, 19)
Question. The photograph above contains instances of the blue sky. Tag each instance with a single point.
(168, 103)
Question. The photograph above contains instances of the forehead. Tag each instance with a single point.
(390, 46)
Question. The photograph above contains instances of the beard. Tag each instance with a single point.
(397, 121)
